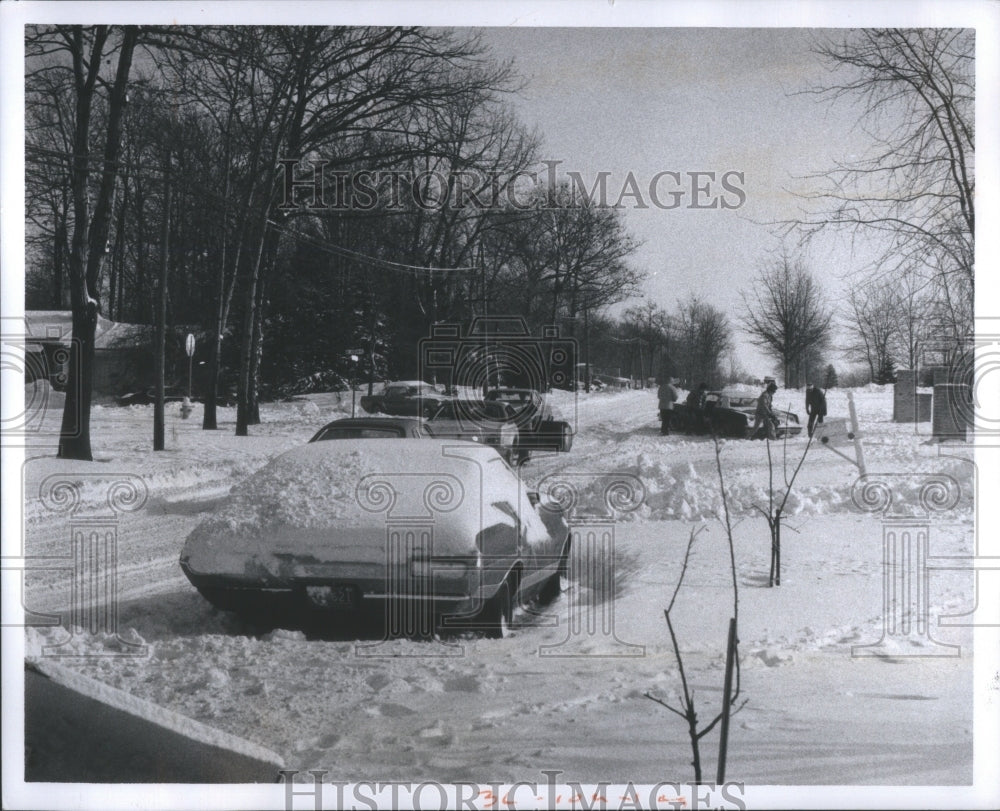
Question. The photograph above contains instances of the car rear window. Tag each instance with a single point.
(362, 433)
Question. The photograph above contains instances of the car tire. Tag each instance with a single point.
(497, 615)
(519, 455)
(555, 585)
(567, 437)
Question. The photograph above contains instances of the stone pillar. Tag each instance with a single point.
(904, 396)
(411, 503)
(905, 549)
(93, 540)
(953, 411)
(591, 502)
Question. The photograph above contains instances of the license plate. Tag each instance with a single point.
(332, 596)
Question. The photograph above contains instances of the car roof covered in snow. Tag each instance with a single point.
(342, 482)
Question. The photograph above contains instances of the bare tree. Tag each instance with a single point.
(787, 316)
(81, 52)
(873, 321)
(704, 336)
(915, 192)
(650, 327)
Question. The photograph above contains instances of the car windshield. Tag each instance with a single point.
(473, 411)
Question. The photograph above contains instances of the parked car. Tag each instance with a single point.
(492, 423)
(448, 422)
(443, 536)
(538, 429)
(406, 398)
(370, 428)
(732, 415)
(171, 394)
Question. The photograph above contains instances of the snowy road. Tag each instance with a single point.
(481, 710)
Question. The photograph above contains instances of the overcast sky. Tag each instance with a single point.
(691, 100)
(630, 99)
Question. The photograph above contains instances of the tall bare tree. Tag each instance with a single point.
(82, 52)
(704, 336)
(787, 316)
(915, 191)
(873, 321)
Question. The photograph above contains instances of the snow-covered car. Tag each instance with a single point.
(444, 535)
(732, 414)
(538, 429)
(406, 398)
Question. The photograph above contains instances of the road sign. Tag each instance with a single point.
(189, 345)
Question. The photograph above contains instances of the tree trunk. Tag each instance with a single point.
(161, 316)
(90, 235)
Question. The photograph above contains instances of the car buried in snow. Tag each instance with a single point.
(443, 536)
(731, 414)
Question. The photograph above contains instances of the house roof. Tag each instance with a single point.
(56, 326)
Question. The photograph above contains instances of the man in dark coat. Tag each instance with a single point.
(695, 402)
(815, 406)
(764, 418)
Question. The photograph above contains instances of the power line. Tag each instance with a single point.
(347, 253)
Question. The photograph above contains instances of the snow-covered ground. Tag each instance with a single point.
(838, 691)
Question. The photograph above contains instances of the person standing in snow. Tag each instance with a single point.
(815, 406)
(696, 409)
(667, 396)
(764, 416)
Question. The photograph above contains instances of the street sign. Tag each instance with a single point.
(355, 351)
(189, 345)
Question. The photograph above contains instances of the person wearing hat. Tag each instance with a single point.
(764, 416)
(667, 396)
(815, 406)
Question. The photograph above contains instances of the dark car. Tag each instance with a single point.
(370, 428)
(732, 415)
(444, 536)
(406, 398)
(171, 394)
(492, 423)
(538, 429)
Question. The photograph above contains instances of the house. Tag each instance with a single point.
(123, 353)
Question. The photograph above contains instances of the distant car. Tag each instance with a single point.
(538, 429)
(171, 394)
(406, 398)
(443, 536)
(732, 415)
